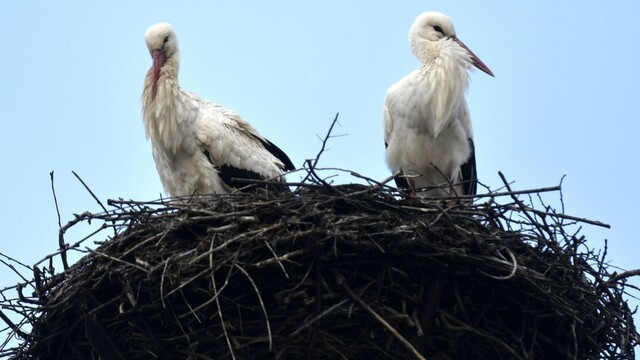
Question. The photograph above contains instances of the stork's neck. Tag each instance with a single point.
(166, 114)
(445, 79)
(446, 75)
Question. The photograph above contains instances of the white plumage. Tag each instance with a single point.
(198, 146)
(427, 130)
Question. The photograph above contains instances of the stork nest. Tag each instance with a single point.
(351, 272)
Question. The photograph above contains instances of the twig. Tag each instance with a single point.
(382, 321)
(388, 179)
(90, 192)
(146, 271)
(313, 163)
(13, 268)
(279, 259)
(55, 199)
(216, 294)
(276, 258)
(465, 327)
(273, 182)
(308, 324)
(623, 275)
(264, 309)
(13, 326)
(9, 258)
(115, 233)
(325, 140)
(477, 196)
(569, 217)
(514, 264)
(522, 207)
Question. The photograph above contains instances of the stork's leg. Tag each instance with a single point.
(452, 189)
(412, 187)
(452, 192)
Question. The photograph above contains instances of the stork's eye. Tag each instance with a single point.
(438, 29)
(166, 39)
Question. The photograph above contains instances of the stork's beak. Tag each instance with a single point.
(475, 59)
(158, 62)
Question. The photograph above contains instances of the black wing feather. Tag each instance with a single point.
(401, 181)
(229, 173)
(468, 172)
(278, 153)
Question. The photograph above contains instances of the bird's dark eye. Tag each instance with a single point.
(166, 38)
(435, 27)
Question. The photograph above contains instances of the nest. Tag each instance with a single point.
(336, 272)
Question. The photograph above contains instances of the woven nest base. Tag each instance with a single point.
(346, 272)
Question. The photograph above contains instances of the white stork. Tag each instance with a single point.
(427, 130)
(198, 146)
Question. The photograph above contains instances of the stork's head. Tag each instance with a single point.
(163, 46)
(431, 33)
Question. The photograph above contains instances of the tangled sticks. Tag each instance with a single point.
(348, 272)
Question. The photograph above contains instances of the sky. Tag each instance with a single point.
(563, 100)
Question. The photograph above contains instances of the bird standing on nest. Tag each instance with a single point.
(427, 130)
(199, 146)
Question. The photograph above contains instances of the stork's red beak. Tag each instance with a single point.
(476, 60)
(158, 62)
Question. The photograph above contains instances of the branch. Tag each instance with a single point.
(381, 320)
(90, 192)
(55, 199)
(325, 140)
(313, 163)
(115, 233)
(623, 275)
(13, 326)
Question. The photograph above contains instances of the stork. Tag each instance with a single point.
(199, 147)
(428, 133)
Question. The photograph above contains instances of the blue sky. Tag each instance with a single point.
(563, 101)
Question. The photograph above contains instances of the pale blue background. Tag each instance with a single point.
(564, 99)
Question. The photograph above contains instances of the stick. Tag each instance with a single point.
(115, 233)
(55, 199)
(514, 264)
(312, 163)
(90, 192)
(264, 310)
(623, 275)
(382, 321)
(216, 295)
(318, 317)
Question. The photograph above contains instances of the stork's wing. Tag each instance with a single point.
(235, 148)
(278, 153)
(388, 123)
(468, 174)
(401, 182)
